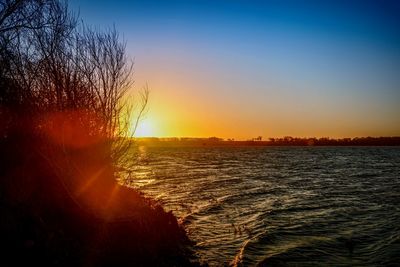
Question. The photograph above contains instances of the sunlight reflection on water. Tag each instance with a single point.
(306, 206)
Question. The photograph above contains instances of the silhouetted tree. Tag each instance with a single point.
(64, 113)
(51, 64)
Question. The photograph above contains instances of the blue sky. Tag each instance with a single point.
(272, 68)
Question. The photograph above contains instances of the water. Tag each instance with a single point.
(302, 206)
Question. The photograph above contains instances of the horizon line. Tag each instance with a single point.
(263, 138)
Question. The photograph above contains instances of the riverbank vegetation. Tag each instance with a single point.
(64, 113)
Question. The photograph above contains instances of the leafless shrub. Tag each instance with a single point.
(51, 64)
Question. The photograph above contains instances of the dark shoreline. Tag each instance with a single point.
(278, 142)
(51, 218)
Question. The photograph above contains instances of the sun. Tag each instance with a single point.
(144, 129)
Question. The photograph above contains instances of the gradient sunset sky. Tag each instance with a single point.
(240, 69)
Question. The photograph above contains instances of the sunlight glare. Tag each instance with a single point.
(145, 129)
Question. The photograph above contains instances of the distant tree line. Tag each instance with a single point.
(284, 141)
(325, 141)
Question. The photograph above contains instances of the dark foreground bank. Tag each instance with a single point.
(55, 216)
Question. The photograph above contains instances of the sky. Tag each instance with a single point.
(241, 69)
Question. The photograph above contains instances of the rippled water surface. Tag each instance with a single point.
(302, 206)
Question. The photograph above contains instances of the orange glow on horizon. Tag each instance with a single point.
(179, 106)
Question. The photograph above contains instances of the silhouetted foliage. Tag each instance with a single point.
(51, 64)
(64, 113)
(285, 141)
